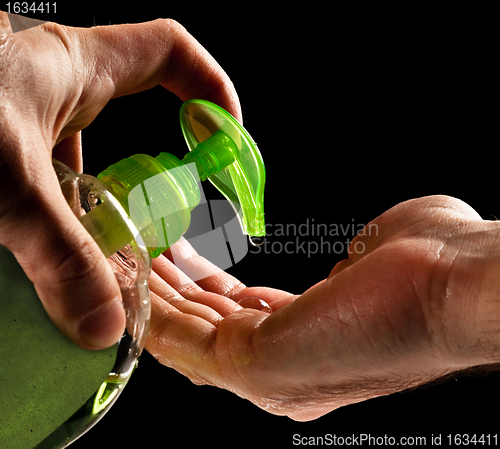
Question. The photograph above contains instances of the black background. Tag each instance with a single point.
(354, 111)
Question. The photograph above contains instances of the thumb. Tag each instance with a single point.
(71, 275)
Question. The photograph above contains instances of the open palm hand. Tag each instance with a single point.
(405, 311)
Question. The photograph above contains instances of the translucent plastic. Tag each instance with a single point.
(241, 181)
(132, 266)
(157, 193)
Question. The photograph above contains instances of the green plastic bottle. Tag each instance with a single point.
(135, 210)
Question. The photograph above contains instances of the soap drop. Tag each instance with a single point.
(252, 302)
(256, 240)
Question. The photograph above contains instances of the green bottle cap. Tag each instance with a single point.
(159, 193)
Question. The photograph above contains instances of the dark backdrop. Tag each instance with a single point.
(354, 111)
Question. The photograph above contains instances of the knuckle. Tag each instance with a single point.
(20, 198)
(58, 31)
(172, 25)
(75, 265)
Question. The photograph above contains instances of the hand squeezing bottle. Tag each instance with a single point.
(51, 391)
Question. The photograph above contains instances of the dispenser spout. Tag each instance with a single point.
(225, 154)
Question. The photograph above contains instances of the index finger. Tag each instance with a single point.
(212, 279)
(134, 57)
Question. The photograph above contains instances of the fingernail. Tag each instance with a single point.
(104, 327)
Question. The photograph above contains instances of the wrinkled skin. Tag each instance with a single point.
(421, 301)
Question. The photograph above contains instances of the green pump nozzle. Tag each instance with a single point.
(241, 175)
(159, 193)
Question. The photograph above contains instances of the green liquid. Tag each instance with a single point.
(87, 415)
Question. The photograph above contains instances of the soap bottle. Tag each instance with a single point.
(139, 207)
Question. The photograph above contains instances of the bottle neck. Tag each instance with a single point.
(213, 155)
(158, 194)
